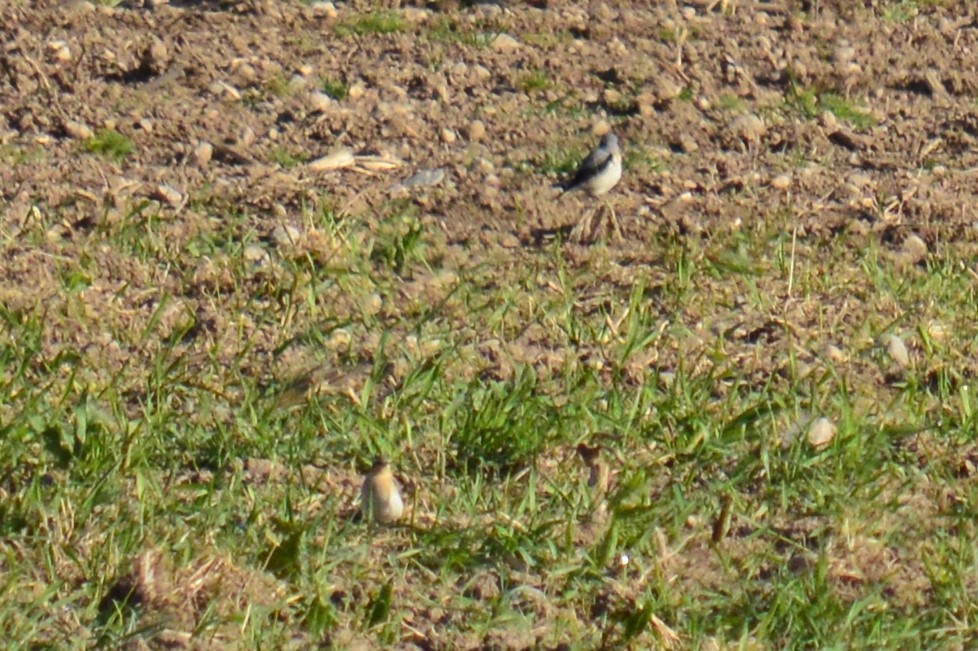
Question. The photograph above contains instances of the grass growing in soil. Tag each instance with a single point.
(110, 144)
(335, 88)
(376, 22)
(534, 82)
(184, 476)
(846, 110)
(286, 158)
(189, 396)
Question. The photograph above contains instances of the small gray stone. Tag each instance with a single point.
(781, 182)
(505, 43)
(821, 431)
(285, 235)
(168, 194)
(78, 130)
(425, 178)
(896, 350)
(748, 127)
(203, 153)
(477, 130)
(915, 248)
(255, 253)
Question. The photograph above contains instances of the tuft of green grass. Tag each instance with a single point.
(534, 82)
(803, 101)
(399, 239)
(729, 102)
(640, 158)
(448, 30)
(548, 39)
(14, 155)
(287, 159)
(277, 86)
(902, 11)
(334, 88)
(845, 110)
(809, 103)
(110, 144)
(478, 34)
(667, 34)
(558, 161)
(373, 23)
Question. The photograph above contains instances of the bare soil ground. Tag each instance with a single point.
(165, 170)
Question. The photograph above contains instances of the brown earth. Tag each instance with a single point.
(719, 107)
(217, 100)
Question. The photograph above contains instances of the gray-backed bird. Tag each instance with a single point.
(598, 173)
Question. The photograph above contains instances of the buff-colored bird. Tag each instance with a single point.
(380, 498)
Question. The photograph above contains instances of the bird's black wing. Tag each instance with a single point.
(595, 163)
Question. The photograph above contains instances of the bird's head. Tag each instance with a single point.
(609, 141)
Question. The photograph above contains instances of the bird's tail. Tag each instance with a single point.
(563, 186)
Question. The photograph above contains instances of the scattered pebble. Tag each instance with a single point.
(78, 130)
(896, 350)
(748, 127)
(425, 178)
(505, 43)
(327, 9)
(59, 51)
(834, 354)
(285, 236)
(373, 304)
(600, 128)
(936, 330)
(781, 182)
(168, 194)
(319, 101)
(821, 431)
(333, 161)
(155, 57)
(477, 130)
(203, 152)
(915, 248)
(255, 253)
(645, 103)
(611, 96)
(448, 136)
(224, 89)
(687, 143)
(509, 241)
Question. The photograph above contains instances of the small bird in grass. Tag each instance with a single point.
(596, 175)
(380, 498)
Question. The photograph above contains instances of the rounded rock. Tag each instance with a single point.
(477, 130)
(896, 350)
(821, 431)
(781, 182)
(504, 43)
(915, 247)
(78, 130)
(748, 127)
(319, 101)
(203, 153)
(285, 235)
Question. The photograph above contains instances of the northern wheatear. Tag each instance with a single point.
(598, 173)
(380, 498)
